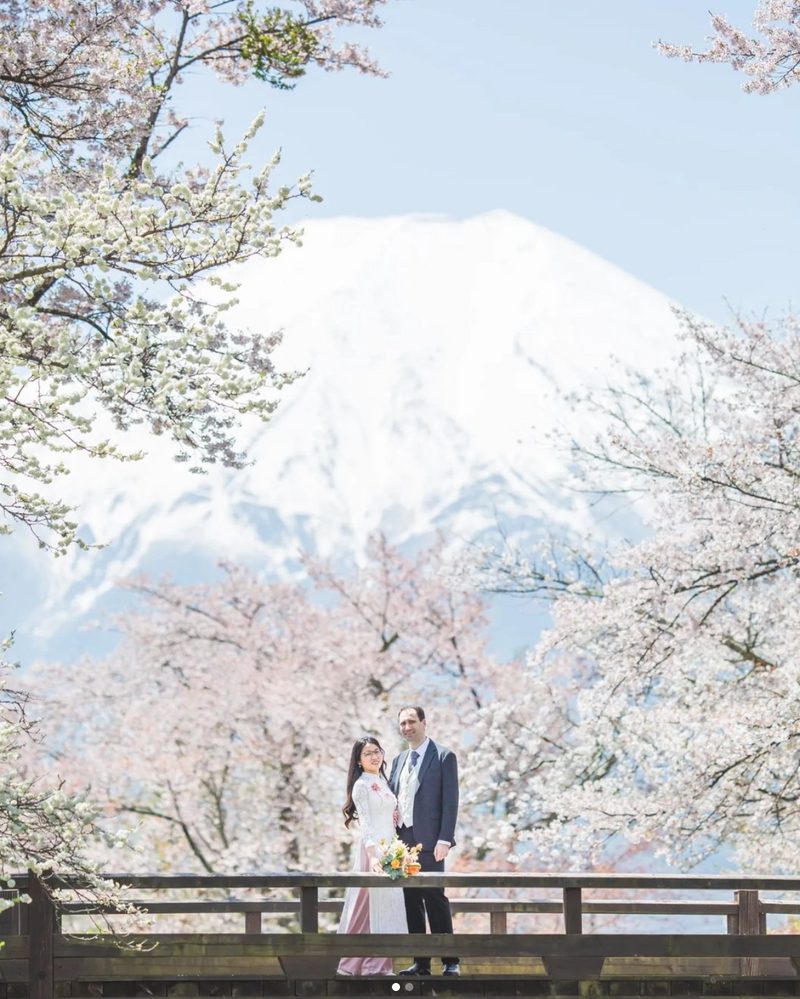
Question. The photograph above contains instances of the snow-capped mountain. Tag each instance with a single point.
(433, 348)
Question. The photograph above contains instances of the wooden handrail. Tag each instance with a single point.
(600, 945)
(458, 905)
(573, 905)
(513, 879)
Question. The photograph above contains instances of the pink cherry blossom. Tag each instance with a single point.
(771, 61)
(661, 706)
(221, 725)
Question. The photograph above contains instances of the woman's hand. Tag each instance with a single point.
(375, 866)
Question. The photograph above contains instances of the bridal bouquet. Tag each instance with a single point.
(399, 860)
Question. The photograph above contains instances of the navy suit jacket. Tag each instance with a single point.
(436, 800)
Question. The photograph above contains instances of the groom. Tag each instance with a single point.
(424, 779)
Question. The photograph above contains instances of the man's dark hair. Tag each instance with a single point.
(413, 707)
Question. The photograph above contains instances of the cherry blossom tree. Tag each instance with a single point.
(771, 61)
(112, 300)
(671, 661)
(672, 664)
(43, 828)
(112, 296)
(221, 726)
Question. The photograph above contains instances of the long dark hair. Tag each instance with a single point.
(355, 770)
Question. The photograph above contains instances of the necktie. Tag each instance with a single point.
(414, 758)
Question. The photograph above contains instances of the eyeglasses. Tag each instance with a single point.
(375, 755)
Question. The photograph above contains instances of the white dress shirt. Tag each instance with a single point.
(407, 788)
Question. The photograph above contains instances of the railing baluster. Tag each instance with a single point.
(579, 966)
(749, 920)
(309, 910)
(252, 922)
(498, 922)
(573, 916)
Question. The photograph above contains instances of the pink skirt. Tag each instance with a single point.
(359, 923)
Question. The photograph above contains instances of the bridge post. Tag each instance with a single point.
(252, 922)
(42, 925)
(573, 967)
(309, 967)
(498, 922)
(573, 910)
(309, 910)
(749, 923)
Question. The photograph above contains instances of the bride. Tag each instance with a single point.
(371, 802)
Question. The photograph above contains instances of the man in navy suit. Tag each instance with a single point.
(425, 780)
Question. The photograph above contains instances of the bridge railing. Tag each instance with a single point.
(38, 951)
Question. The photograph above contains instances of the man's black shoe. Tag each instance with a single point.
(416, 969)
(451, 969)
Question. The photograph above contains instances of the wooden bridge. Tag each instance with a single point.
(41, 956)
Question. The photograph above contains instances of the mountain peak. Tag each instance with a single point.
(434, 349)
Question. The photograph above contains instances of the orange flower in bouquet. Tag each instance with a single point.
(413, 866)
(399, 860)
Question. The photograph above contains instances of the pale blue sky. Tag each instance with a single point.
(563, 113)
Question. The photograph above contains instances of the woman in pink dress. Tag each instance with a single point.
(371, 802)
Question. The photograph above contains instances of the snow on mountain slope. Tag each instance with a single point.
(433, 349)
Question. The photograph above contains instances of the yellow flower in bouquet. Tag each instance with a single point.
(396, 858)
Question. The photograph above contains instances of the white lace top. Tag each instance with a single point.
(376, 806)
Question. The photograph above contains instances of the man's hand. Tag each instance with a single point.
(440, 851)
